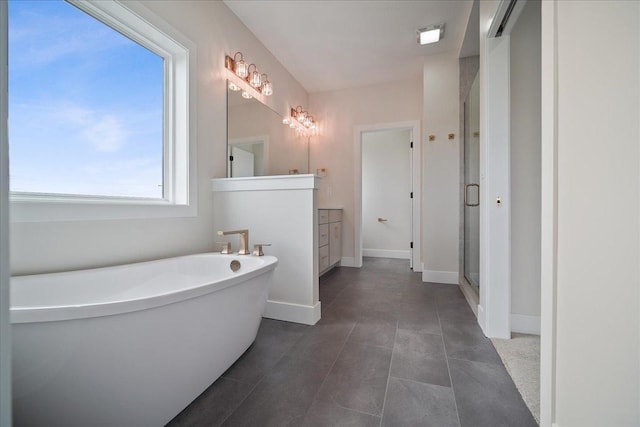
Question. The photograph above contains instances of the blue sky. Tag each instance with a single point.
(85, 105)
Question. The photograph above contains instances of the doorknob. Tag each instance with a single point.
(382, 219)
(466, 195)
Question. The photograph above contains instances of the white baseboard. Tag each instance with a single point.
(448, 277)
(524, 324)
(348, 261)
(297, 313)
(386, 253)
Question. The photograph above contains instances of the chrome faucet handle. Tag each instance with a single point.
(257, 248)
(226, 247)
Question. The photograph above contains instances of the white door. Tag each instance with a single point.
(386, 193)
(243, 162)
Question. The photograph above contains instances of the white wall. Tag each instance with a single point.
(441, 168)
(261, 204)
(592, 377)
(525, 170)
(386, 184)
(216, 31)
(286, 150)
(339, 112)
(494, 311)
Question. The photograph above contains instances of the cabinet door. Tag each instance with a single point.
(335, 242)
(323, 258)
(323, 235)
(335, 215)
(323, 216)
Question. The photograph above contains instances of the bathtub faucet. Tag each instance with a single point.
(244, 240)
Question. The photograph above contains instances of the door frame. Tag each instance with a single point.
(5, 266)
(416, 180)
(494, 308)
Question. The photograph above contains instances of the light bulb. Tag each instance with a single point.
(302, 115)
(267, 89)
(241, 68)
(286, 121)
(255, 80)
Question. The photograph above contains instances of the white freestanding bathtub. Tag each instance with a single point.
(130, 345)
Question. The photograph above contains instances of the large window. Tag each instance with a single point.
(85, 105)
(98, 106)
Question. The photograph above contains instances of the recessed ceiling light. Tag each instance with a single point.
(430, 34)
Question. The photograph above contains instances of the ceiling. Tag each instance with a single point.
(331, 45)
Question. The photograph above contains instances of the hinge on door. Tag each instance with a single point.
(411, 144)
(231, 158)
(411, 195)
(411, 245)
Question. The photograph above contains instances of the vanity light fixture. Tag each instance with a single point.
(254, 76)
(430, 34)
(303, 117)
(301, 121)
(248, 73)
(240, 67)
(267, 89)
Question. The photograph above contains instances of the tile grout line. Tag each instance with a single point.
(386, 389)
(329, 371)
(260, 381)
(419, 382)
(241, 402)
(337, 295)
(356, 411)
(446, 358)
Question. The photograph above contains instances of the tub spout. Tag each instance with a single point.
(244, 240)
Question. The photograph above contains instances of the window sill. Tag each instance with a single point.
(51, 208)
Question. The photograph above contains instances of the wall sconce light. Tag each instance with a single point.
(267, 89)
(248, 73)
(240, 67)
(301, 121)
(254, 76)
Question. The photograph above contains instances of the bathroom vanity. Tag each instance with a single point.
(329, 239)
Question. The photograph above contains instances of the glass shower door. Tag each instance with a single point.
(472, 186)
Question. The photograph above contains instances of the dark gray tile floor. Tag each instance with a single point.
(390, 350)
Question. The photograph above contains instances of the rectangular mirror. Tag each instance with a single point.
(258, 142)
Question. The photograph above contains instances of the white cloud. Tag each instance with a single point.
(104, 131)
(39, 39)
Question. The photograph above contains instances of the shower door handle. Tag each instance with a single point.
(466, 195)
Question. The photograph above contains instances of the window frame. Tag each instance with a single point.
(179, 157)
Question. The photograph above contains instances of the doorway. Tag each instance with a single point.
(386, 190)
(413, 244)
(248, 156)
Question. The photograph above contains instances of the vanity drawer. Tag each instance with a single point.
(323, 216)
(323, 235)
(323, 254)
(335, 215)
